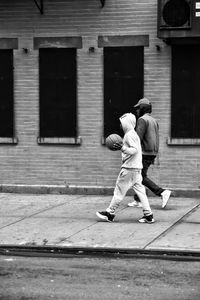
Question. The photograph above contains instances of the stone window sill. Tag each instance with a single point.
(62, 140)
(182, 142)
(9, 140)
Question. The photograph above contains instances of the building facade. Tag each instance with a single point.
(68, 70)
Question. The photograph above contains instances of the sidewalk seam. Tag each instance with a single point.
(93, 224)
(170, 228)
(38, 212)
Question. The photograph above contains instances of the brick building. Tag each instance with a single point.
(69, 68)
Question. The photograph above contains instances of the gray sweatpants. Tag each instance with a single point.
(129, 178)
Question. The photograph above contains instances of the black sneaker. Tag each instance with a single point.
(147, 219)
(104, 215)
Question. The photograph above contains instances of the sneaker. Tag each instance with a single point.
(165, 197)
(135, 204)
(104, 215)
(147, 219)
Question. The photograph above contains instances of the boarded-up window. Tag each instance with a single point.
(57, 92)
(6, 88)
(123, 83)
(185, 107)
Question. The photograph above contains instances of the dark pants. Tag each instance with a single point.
(148, 160)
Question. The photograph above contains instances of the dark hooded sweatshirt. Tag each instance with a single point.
(148, 130)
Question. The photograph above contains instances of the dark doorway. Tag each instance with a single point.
(57, 92)
(185, 106)
(123, 83)
(6, 88)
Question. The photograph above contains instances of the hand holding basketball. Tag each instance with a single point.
(114, 142)
(117, 146)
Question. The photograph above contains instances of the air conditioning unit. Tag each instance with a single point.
(178, 18)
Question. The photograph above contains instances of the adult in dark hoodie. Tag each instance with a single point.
(147, 129)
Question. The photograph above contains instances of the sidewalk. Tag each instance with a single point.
(68, 223)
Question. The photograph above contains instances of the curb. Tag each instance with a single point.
(82, 190)
(48, 251)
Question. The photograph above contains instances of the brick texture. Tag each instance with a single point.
(89, 164)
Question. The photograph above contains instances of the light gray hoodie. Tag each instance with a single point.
(131, 149)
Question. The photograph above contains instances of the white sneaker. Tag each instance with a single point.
(135, 204)
(165, 197)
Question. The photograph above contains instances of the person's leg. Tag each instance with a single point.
(148, 160)
(123, 184)
(141, 192)
(158, 191)
(139, 189)
(165, 194)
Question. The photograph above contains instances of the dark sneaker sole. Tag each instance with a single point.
(103, 217)
(146, 221)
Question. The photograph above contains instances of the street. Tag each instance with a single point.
(98, 278)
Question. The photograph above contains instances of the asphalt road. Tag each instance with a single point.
(98, 278)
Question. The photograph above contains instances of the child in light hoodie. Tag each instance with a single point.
(130, 173)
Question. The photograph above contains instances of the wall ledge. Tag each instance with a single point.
(83, 190)
(62, 141)
(182, 142)
(8, 140)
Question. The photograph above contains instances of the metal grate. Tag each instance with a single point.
(176, 13)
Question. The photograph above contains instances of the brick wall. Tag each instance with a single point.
(89, 164)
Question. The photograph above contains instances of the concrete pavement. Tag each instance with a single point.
(65, 223)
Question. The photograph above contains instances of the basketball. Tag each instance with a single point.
(111, 140)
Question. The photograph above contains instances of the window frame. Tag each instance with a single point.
(10, 44)
(180, 141)
(122, 41)
(60, 42)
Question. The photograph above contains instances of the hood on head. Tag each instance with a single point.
(128, 122)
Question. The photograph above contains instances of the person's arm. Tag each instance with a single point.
(128, 150)
(131, 148)
(140, 128)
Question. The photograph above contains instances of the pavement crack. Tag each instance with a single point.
(37, 213)
(68, 237)
(172, 226)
